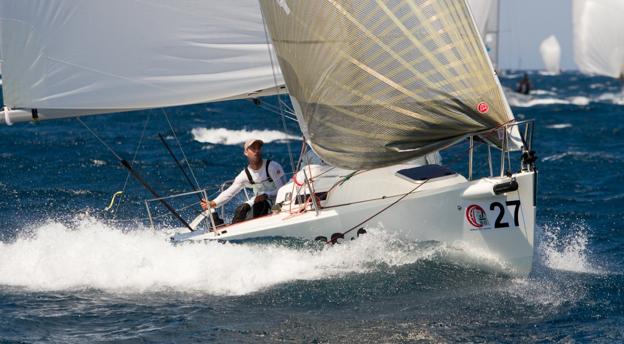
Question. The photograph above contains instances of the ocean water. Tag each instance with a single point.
(73, 272)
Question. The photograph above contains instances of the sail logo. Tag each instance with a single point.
(476, 216)
(284, 6)
(483, 107)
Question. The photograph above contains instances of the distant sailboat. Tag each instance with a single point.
(599, 36)
(376, 87)
(551, 55)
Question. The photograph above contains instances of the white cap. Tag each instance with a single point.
(251, 142)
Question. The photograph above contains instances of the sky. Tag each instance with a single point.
(526, 23)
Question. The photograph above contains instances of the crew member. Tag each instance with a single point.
(265, 177)
(524, 86)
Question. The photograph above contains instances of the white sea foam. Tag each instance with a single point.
(543, 92)
(236, 137)
(566, 252)
(90, 254)
(559, 126)
(581, 156)
(542, 97)
(579, 101)
(547, 73)
(545, 291)
(614, 98)
(518, 101)
(97, 162)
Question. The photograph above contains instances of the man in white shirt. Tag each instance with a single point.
(265, 177)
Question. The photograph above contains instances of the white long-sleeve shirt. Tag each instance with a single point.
(261, 184)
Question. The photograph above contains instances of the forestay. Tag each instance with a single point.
(73, 57)
(599, 36)
(379, 82)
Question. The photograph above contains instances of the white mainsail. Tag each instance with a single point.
(486, 15)
(375, 83)
(599, 36)
(71, 57)
(551, 54)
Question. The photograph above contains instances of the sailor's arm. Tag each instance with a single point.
(227, 194)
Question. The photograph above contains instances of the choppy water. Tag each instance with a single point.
(70, 274)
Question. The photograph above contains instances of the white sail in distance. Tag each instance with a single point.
(375, 83)
(72, 57)
(551, 54)
(599, 36)
(486, 15)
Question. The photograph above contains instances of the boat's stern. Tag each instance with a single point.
(499, 215)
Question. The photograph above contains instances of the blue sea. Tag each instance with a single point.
(73, 272)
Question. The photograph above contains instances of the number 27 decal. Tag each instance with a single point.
(499, 223)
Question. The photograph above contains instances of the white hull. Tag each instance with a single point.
(441, 209)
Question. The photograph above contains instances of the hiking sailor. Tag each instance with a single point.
(265, 177)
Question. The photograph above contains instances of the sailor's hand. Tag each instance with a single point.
(260, 198)
(208, 204)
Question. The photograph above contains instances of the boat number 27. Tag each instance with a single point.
(497, 206)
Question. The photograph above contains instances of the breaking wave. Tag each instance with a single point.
(528, 101)
(543, 92)
(90, 254)
(559, 249)
(236, 137)
(566, 252)
(614, 98)
(559, 126)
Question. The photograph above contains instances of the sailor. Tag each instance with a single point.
(524, 86)
(265, 177)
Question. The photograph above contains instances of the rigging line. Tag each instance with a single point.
(188, 164)
(275, 109)
(335, 238)
(136, 151)
(268, 44)
(99, 139)
(286, 105)
(138, 177)
(175, 159)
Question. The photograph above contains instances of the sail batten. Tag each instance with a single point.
(379, 82)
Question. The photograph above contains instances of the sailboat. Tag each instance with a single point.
(551, 55)
(378, 89)
(599, 37)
